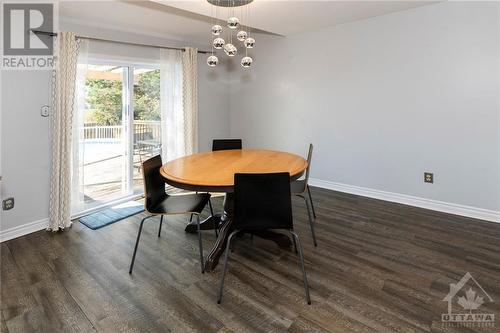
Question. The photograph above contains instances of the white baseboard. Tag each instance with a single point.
(24, 229)
(451, 208)
(473, 212)
(28, 228)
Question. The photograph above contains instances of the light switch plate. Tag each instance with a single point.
(45, 111)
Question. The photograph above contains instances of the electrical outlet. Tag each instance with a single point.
(428, 177)
(8, 204)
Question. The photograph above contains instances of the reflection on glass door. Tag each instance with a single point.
(146, 121)
(105, 165)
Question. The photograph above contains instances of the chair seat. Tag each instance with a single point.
(298, 186)
(181, 204)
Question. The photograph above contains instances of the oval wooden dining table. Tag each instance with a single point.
(214, 172)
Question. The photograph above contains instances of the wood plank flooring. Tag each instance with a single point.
(378, 267)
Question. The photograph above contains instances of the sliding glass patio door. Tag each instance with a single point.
(119, 128)
(146, 122)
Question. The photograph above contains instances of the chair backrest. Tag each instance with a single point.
(143, 136)
(262, 201)
(226, 144)
(154, 184)
(309, 158)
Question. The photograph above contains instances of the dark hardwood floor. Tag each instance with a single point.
(378, 267)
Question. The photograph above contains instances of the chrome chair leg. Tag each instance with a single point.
(210, 206)
(200, 243)
(221, 287)
(191, 217)
(211, 214)
(137, 243)
(311, 223)
(294, 245)
(311, 200)
(301, 255)
(161, 222)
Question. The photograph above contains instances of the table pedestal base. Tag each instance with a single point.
(207, 224)
(225, 229)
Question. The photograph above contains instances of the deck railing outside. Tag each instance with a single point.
(103, 170)
(143, 130)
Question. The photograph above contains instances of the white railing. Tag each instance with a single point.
(147, 129)
(102, 132)
(143, 129)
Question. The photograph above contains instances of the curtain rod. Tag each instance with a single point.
(53, 34)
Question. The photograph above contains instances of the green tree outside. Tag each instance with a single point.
(104, 99)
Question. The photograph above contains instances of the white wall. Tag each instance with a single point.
(383, 100)
(25, 150)
(25, 146)
(213, 103)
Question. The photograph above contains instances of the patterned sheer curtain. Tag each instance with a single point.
(61, 126)
(179, 102)
(171, 104)
(190, 99)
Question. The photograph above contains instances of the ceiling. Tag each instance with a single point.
(140, 17)
(190, 19)
(285, 17)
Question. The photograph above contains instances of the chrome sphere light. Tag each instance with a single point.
(246, 62)
(216, 30)
(249, 43)
(212, 61)
(233, 22)
(218, 43)
(230, 49)
(241, 35)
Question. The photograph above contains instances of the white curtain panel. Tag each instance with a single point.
(179, 102)
(61, 131)
(78, 142)
(172, 117)
(190, 99)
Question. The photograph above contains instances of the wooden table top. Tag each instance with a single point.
(213, 171)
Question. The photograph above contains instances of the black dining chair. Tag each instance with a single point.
(263, 202)
(158, 202)
(300, 188)
(226, 144)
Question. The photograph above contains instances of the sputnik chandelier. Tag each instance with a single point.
(222, 38)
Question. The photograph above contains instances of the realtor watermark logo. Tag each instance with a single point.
(464, 301)
(22, 49)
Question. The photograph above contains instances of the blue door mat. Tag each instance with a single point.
(111, 215)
